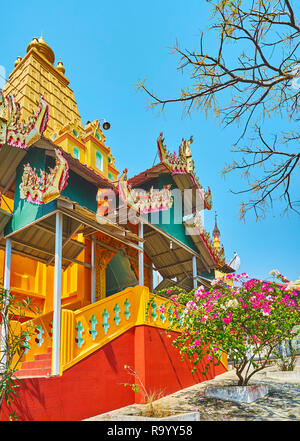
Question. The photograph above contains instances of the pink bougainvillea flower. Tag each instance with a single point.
(174, 298)
(231, 317)
(197, 342)
(227, 319)
(215, 282)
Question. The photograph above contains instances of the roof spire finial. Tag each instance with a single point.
(216, 231)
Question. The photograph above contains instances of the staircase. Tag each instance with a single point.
(39, 367)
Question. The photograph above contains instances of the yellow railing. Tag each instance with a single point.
(85, 330)
(38, 332)
(37, 335)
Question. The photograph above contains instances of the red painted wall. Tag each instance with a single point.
(165, 369)
(94, 385)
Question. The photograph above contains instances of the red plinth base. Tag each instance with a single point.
(96, 384)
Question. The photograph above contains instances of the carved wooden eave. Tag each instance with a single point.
(144, 201)
(16, 137)
(74, 164)
(21, 134)
(46, 186)
(182, 165)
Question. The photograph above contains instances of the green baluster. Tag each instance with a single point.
(105, 320)
(117, 318)
(39, 338)
(93, 331)
(180, 317)
(162, 317)
(154, 308)
(127, 312)
(170, 312)
(26, 344)
(79, 338)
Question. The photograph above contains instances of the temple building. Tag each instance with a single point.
(86, 243)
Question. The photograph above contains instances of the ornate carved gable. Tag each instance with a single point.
(17, 133)
(44, 187)
(182, 163)
(145, 201)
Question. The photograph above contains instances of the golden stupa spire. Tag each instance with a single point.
(35, 74)
(216, 234)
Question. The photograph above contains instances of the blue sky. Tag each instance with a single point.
(106, 48)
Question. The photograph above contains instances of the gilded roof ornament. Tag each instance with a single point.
(43, 48)
(216, 231)
(18, 134)
(183, 164)
(60, 67)
(145, 201)
(18, 60)
(44, 187)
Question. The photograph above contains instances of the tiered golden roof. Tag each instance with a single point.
(35, 74)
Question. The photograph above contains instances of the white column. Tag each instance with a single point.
(141, 254)
(7, 264)
(152, 277)
(93, 269)
(57, 296)
(194, 272)
(6, 287)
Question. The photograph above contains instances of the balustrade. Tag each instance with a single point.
(85, 330)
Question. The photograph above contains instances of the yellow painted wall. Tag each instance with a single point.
(92, 148)
(88, 148)
(7, 204)
(68, 145)
(30, 278)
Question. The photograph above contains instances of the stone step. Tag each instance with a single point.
(36, 364)
(38, 372)
(46, 356)
(39, 367)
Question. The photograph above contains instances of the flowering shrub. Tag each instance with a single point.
(12, 343)
(232, 319)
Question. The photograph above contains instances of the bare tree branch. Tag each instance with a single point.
(261, 80)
